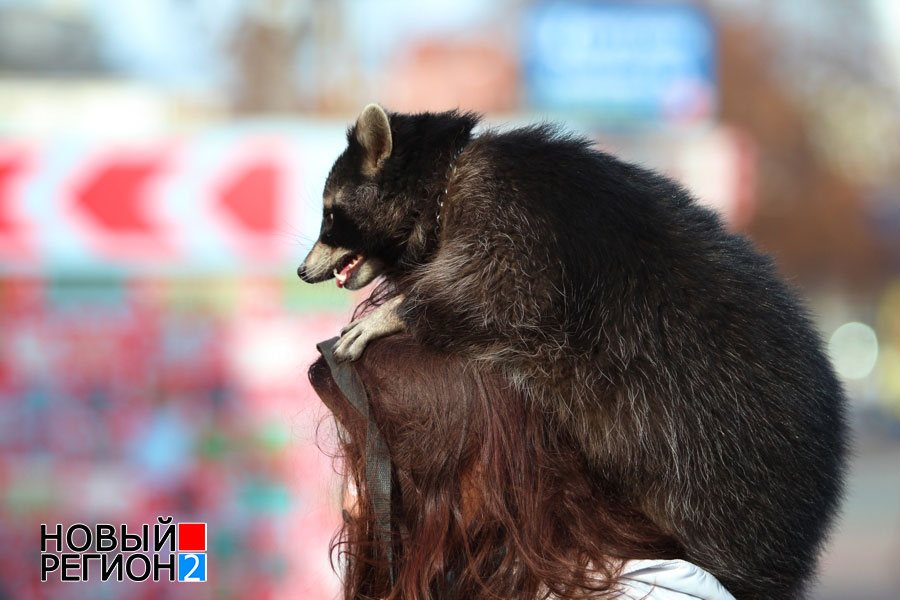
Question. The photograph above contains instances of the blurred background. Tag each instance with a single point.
(161, 169)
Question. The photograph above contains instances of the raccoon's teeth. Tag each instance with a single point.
(341, 278)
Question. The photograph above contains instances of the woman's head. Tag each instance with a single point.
(490, 500)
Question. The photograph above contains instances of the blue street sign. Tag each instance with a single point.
(638, 62)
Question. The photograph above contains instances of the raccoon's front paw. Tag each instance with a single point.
(381, 322)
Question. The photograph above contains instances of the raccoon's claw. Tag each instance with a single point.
(350, 346)
(350, 326)
(381, 322)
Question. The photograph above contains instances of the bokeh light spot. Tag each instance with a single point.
(854, 350)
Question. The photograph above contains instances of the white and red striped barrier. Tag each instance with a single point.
(235, 198)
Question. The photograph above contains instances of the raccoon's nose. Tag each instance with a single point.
(301, 272)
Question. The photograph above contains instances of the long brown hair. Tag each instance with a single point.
(490, 499)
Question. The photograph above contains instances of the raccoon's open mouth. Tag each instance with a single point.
(346, 268)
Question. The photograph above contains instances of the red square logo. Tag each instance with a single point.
(192, 537)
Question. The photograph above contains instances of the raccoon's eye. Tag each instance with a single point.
(329, 218)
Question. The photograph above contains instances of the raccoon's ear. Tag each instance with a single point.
(373, 132)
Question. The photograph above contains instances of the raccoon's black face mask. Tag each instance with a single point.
(350, 247)
(382, 198)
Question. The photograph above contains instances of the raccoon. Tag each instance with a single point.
(667, 347)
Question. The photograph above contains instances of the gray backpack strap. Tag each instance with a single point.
(378, 458)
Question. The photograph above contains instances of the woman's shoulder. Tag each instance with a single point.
(669, 580)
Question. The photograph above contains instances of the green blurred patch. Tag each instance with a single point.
(213, 445)
(273, 436)
(299, 296)
(266, 496)
(80, 290)
(29, 494)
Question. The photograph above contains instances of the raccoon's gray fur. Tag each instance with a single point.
(667, 346)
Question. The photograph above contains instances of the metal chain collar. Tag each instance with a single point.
(452, 172)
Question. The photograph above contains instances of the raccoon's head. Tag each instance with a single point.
(381, 195)
(349, 248)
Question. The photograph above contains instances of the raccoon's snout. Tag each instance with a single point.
(350, 269)
(319, 263)
(309, 276)
(301, 273)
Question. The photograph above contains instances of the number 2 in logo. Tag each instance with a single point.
(192, 567)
